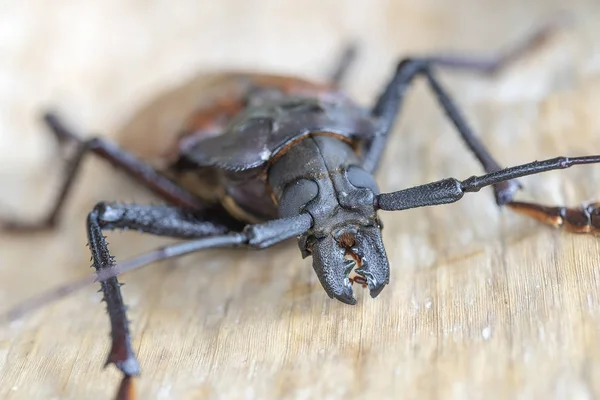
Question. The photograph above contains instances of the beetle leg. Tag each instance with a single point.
(494, 64)
(159, 220)
(172, 222)
(585, 219)
(389, 103)
(343, 64)
(119, 158)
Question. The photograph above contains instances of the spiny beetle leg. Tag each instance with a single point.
(119, 158)
(173, 222)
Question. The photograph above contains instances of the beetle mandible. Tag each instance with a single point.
(279, 157)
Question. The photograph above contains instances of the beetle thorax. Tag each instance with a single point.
(321, 175)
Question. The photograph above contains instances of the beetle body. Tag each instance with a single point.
(274, 147)
(286, 158)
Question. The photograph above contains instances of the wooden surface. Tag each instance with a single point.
(481, 304)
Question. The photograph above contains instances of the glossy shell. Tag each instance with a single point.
(259, 115)
(217, 134)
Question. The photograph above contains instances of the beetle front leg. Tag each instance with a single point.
(159, 220)
(173, 222)
(121, 353)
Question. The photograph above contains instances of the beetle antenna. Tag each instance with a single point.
(254, 236)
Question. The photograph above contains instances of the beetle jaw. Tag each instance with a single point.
(336, 255)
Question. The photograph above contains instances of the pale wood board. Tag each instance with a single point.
(482, 303)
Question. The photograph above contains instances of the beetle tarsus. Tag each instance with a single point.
(126, 389)
(585, 219)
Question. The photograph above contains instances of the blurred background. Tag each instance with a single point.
(482, 303)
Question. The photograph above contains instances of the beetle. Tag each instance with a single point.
(275, 157)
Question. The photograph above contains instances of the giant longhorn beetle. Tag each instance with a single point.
(280, 157)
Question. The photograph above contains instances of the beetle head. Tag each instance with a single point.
(325, 178)
(335, 255)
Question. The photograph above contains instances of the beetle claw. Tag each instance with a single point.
(342, 290)
(375, 286)
(346, 296)
(333, 269)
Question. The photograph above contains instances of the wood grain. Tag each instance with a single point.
(482, 303)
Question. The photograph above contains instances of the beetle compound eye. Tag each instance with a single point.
(360, 178)
(296, 195)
